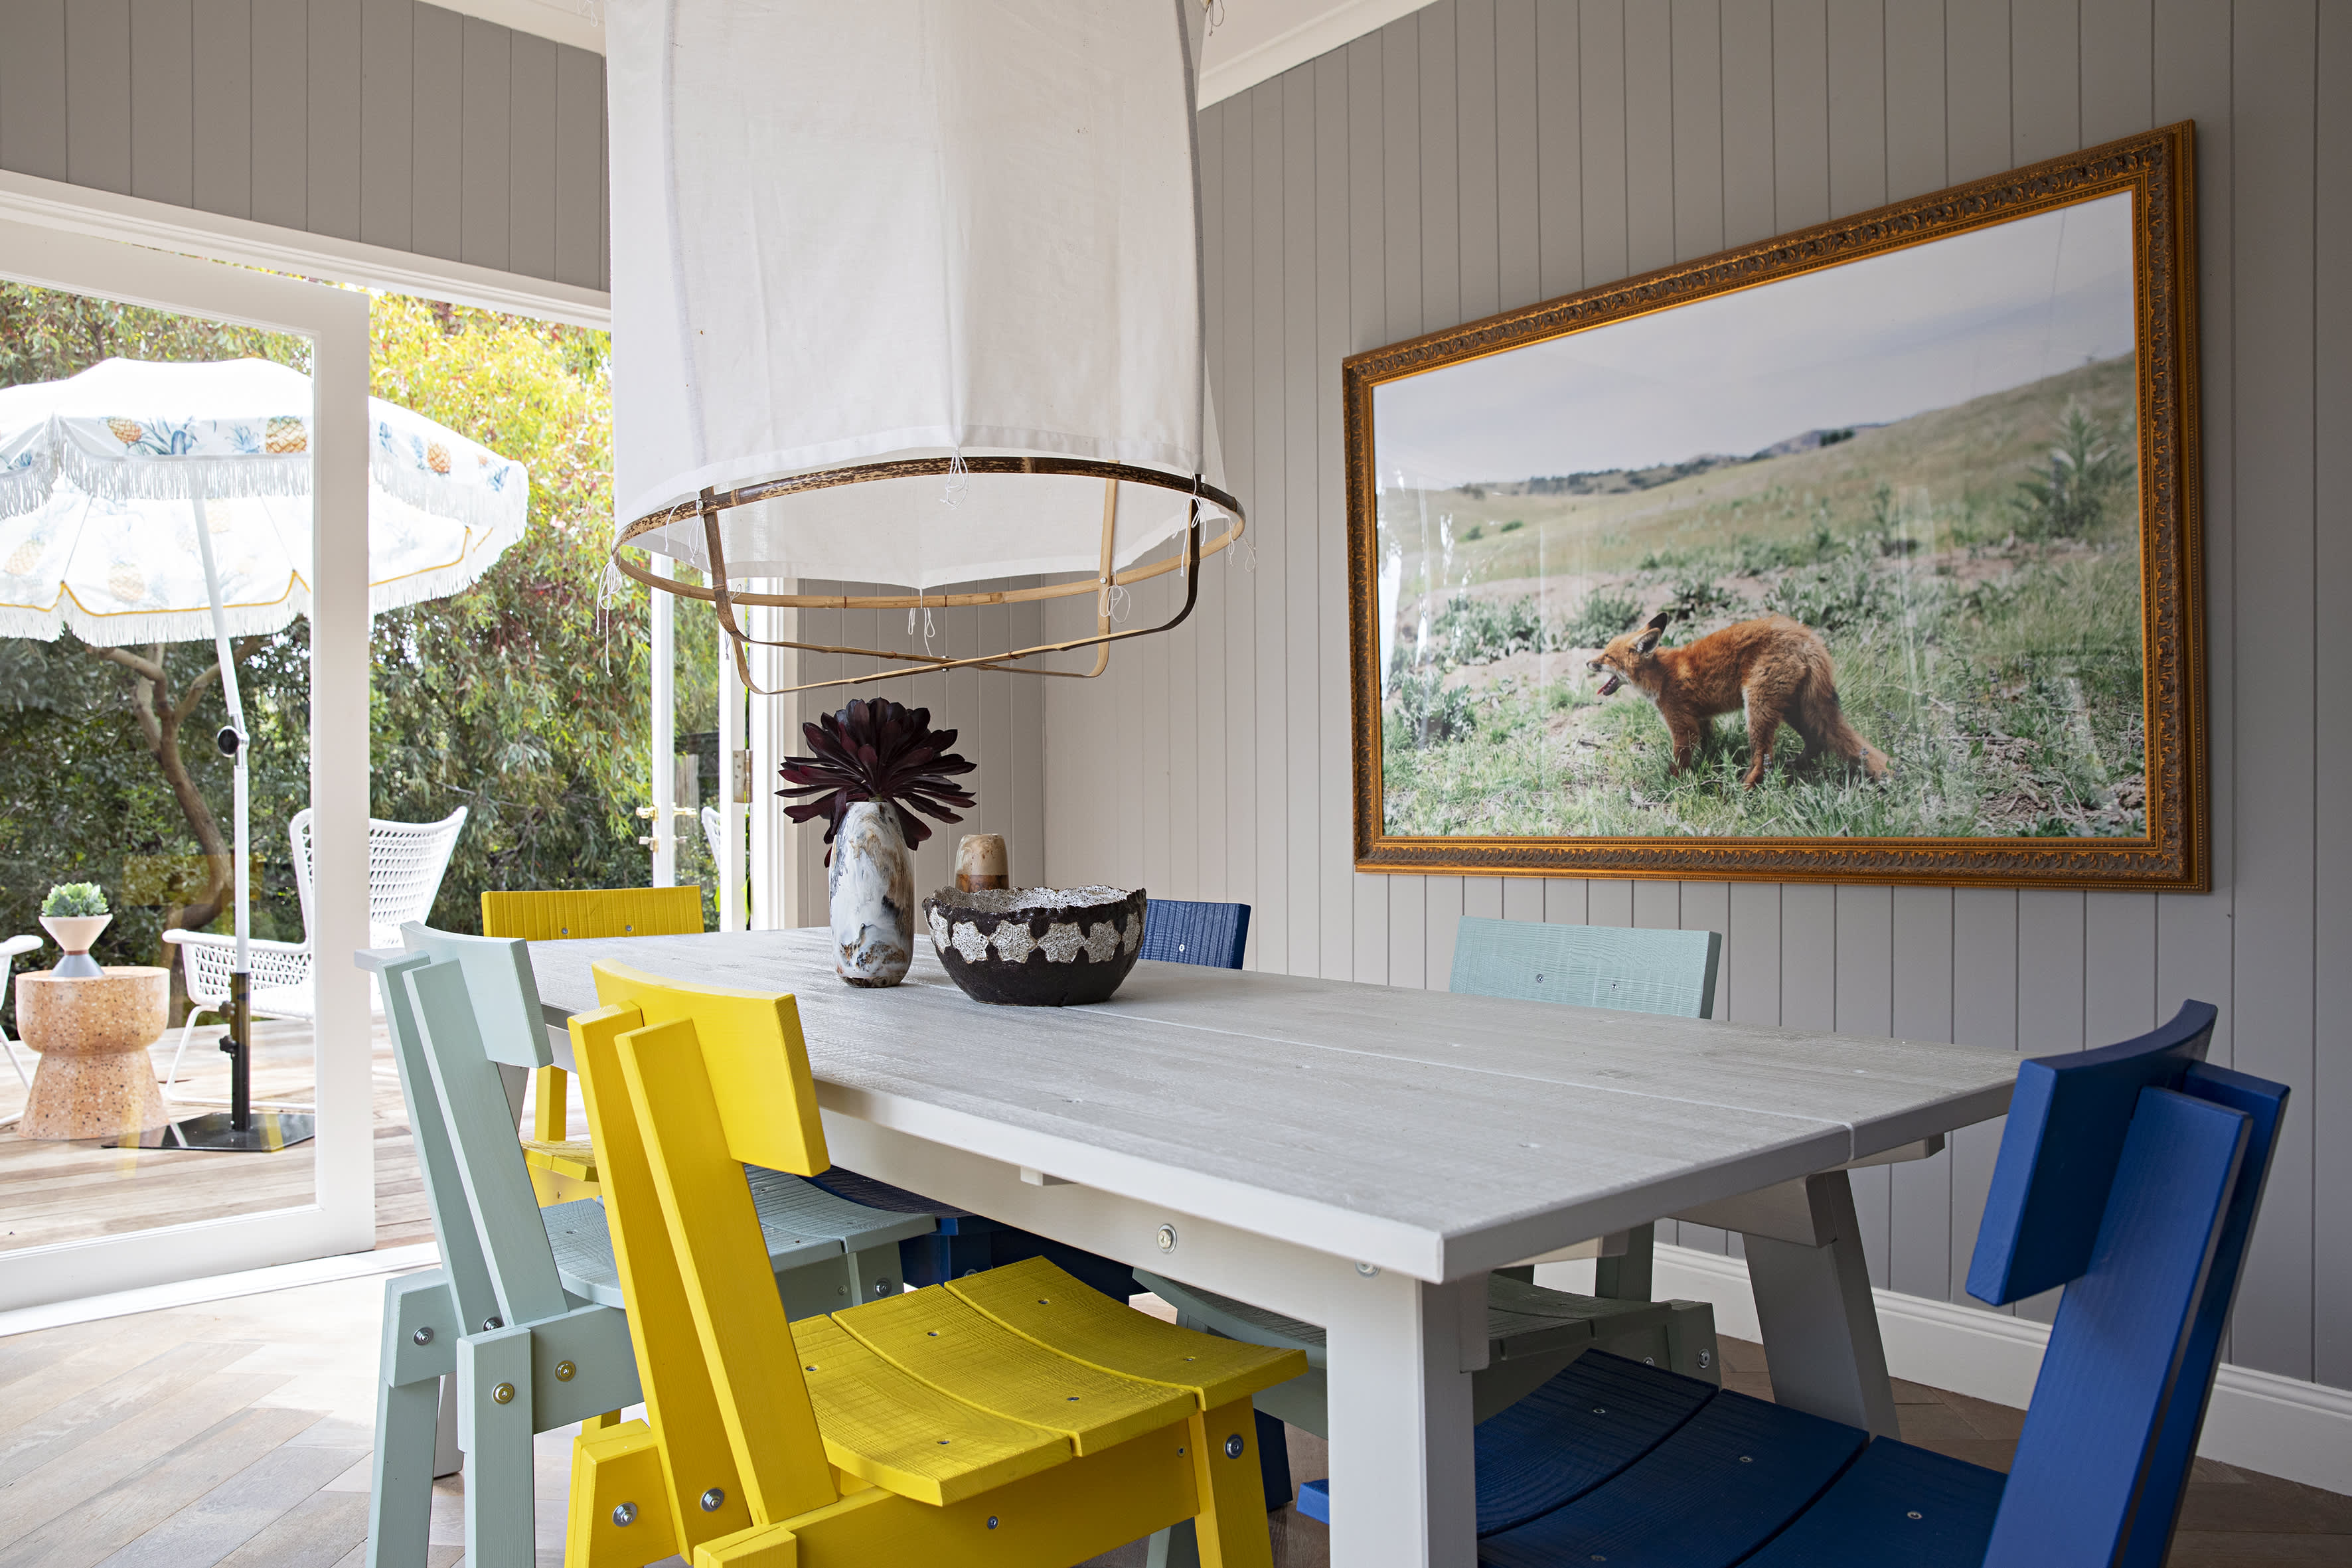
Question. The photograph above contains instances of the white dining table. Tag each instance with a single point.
(1360, 1157)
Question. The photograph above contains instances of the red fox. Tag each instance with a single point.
(1775, 668)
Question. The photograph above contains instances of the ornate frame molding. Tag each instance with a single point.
(2159, 169)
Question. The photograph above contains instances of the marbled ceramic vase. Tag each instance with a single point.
(871, 883)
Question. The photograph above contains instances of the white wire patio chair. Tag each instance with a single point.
(8, 952)
(406, 864)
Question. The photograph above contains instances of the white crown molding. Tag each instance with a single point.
(1259, 40)
(159, 225)
(2279, 1425)
(580, 23)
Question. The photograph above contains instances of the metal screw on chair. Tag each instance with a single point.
(1368, 1271)
(1705, 1360)
(624, 1514)
(992, 1522)
(563, 1370)
(1233, 1447)
(1915, 1514)
(1167, 1239)
(503, 1393)
(493, 1322)
(421, 1337)
(881, 1287)
(712, 1499)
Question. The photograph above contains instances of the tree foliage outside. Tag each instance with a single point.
(522, 700)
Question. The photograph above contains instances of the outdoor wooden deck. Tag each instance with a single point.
(53, 1192)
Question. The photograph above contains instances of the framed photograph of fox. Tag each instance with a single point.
(1869, 553)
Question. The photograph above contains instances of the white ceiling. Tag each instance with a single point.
(1254, 39)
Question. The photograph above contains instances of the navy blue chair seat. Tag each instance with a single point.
(2131, 1176)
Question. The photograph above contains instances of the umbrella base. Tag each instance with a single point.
(269, 1132)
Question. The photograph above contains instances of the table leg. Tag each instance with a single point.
(1818, 1320)
(1403, 1490)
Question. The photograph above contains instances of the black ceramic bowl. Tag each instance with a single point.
(1037, 947)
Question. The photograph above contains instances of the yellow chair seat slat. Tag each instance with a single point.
(940, 1339)
(904, 1436)
(573, 1157)
(1041, 1303)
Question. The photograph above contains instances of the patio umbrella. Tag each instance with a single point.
(148, 502)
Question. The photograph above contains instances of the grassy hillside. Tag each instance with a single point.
(1974, 571)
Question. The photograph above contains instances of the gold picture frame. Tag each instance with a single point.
(2084, 840)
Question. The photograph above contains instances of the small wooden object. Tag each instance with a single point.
(981, 863)
(95, 1080)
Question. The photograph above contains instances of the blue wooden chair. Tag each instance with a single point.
(526, 1310)
(2129, 1176)
(1625, 969)
(1176, 931)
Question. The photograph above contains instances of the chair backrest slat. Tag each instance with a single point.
(2068, 1118)
(757, 1054)
(677, 1091)
(2184, 1418)
(1177, 931)
(473, 1099)
(681, 1401)
(574, 914)
(1629, 969)
(428, 1127)
(504, 991)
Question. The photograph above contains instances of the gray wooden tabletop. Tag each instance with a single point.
(1448, 1133)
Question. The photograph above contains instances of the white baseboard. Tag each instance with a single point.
(2279, 1425)
(219, 1287)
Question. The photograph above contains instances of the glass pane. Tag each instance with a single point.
(112, 785)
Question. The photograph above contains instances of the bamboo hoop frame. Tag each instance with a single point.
(723, 597)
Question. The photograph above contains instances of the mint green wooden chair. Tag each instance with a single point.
(1626, 968)
(526, 1310)
(1532, 1332)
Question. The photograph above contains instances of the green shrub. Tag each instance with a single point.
(70, 900)
(1427, 714)
(1601, 617)
(1515, 522)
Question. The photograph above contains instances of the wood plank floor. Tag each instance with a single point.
(237, 1434)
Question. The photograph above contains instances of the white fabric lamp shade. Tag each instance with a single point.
(905, 231)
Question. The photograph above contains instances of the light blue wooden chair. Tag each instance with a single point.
(1531, 1331)
(526, 1310)
(2131, 1176)
(1626, 968)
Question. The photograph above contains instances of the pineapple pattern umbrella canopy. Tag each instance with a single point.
(97, 472)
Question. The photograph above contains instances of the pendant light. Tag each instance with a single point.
(908, 292)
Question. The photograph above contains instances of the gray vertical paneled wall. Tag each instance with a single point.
(387, 121)
(1482, 154)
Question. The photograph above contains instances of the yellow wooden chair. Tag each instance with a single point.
(563, 1167)
(1013, 1418)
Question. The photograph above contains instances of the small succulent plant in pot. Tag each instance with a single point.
(874, 766)
(74, 913)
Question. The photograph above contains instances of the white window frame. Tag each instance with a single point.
(340, 1218)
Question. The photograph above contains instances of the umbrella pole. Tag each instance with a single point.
(232, 741)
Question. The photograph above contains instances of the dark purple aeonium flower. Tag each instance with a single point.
(875, 750)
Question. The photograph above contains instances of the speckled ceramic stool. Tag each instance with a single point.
(94, 1080)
